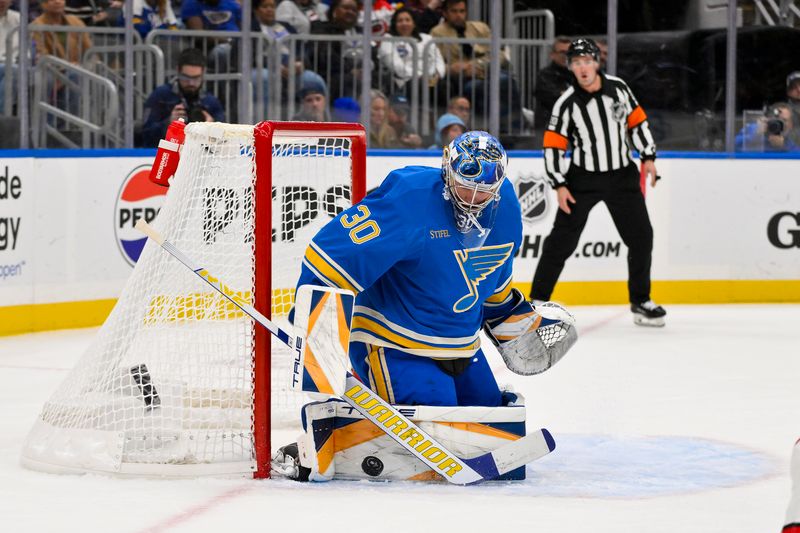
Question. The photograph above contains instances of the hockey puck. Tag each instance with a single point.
(372, 466)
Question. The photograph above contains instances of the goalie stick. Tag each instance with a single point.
(386, 417)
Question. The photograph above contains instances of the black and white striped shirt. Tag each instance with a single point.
(598, 126)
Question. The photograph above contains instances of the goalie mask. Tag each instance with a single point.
(473, 168)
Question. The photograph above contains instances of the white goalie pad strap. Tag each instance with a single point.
(340, 443)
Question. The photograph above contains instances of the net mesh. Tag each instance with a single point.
(553, 333)
(168, 380)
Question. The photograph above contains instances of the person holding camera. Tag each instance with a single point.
(774, 132)
(183, 98)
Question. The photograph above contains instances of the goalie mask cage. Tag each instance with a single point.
(179, 382)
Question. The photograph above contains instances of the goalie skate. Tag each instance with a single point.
(648, 314)
(286, 462)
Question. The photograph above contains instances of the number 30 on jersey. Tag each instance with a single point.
(361, 228)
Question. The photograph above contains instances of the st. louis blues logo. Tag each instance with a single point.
(476, 265)
(471, 166)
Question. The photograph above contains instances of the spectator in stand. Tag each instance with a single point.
(314, 105)
(341, 60)
(776, 131)
(552, 81)
(466, 60)
(468, 64)
(793, 94)
(345, 109)
(398, 57)
(602, 44)
(428, 13)
(399, 111)
(183, 98)
(301, 13)
(96, 12)
(9, 22)
(381, 134)
(448, 127)
(216, 15)
(460, 107)
(264, 21)
(149, 15)
(382, 12)
(68, 46)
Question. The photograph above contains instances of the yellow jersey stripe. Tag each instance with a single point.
(376, 369)
(501, 296)
(318, 263)
(380, 331)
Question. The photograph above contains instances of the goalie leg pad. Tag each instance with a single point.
(339, 443)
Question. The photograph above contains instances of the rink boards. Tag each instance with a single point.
(726, 230)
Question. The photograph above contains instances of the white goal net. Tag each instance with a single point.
(167, 386)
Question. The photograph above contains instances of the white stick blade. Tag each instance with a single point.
(148, 230)
(523, 451)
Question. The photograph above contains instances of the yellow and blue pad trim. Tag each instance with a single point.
(327, 338)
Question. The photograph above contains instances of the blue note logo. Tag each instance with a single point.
(476, 265)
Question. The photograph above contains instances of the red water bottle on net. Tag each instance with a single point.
(168, 154)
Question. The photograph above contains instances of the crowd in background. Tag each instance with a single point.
(326, 74)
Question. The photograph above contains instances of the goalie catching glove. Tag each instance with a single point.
(532, 339)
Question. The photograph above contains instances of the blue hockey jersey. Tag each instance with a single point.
(417, 289)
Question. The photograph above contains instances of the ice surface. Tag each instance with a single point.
(688, 428)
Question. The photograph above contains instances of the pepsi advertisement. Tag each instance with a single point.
(138, 198)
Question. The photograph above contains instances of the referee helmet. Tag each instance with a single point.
(583, 47)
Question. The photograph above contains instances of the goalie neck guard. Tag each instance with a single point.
(473, 169)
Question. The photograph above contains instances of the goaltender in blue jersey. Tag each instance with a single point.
(429, 256)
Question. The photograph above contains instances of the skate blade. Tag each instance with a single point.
(640, 320)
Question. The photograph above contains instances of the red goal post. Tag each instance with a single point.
(265, 133)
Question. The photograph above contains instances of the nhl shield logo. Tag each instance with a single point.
(618, 111)
(533, 198)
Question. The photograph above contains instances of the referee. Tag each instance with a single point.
(597, 115)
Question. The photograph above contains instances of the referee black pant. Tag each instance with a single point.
(621, 192)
